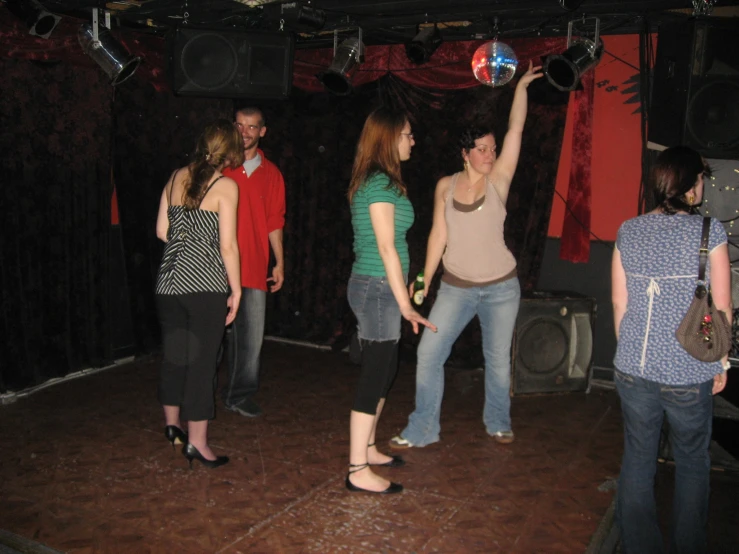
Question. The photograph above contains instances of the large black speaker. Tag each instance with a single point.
(553, 343)
(695, 96)
(230, 64)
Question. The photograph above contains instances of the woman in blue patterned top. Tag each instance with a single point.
(654, 272)
(381, 216)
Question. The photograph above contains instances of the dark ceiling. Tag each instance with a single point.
(385, 22)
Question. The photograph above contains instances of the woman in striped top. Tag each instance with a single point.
(198, 286)
(381, 216)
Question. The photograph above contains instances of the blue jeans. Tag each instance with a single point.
(689, 410)
(245, 347)
(497, 307)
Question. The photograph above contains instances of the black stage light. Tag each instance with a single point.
(347, 57)
(108, 53)
(40, 22)
(423, 45)
(564, 70)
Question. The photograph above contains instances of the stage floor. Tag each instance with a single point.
(86, 468)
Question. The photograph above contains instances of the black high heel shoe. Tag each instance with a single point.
(396, 461)
(391, 489)
(192, 453)
(175, 435)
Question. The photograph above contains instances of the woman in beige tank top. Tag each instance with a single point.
(479, 277)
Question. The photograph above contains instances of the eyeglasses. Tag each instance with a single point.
(409, 135)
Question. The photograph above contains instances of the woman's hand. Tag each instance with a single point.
(719, 382)
(530, 75)
(415, 318)
(233, 306)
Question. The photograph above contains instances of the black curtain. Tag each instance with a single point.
(312, 139)
(55, 166)
(154, 133)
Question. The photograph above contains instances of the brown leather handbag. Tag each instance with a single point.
(704, 332)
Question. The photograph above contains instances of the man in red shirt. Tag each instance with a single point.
(261, 217)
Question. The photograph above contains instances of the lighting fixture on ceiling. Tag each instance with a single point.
(108, 53)
(347, 57)
(423, 45)
(565, 70)
(40, 22)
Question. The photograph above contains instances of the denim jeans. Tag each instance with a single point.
(497, 307)
(245, 347)
(373, 303)
(689, 410)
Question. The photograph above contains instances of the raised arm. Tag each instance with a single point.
(227, 207)
(505, 165)
(382, 216)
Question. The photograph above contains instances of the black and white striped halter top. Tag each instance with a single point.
(192, 260)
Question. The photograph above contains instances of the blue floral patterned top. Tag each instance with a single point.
(659, 254)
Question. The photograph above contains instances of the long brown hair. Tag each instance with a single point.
(377, 149)
(219, 144)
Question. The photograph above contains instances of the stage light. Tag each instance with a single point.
(564, 70)
(294, 13)
(107, 52)
(347, 57)
(423, 45)
(40, 23)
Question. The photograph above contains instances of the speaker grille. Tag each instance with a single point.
(209, 61)
(713, 115)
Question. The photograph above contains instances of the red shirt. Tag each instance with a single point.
(261, 211)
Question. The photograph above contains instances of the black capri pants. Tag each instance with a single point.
(192, 330)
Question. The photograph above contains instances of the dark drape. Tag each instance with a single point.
(55, 167)
(70, 137)
(153, 133)
(312, 139)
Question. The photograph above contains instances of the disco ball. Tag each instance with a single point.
(494, 64)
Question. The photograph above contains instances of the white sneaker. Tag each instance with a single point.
(399, 443)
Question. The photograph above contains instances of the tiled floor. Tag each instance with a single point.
(86, 468)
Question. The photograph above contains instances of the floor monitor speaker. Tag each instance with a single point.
(695, 94)
(232, 64)
(553, 343)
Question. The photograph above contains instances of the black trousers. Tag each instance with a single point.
(192, 330)
(379, 368)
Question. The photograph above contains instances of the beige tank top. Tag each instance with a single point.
(475, 250)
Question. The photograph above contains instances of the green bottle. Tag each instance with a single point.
(418, 287)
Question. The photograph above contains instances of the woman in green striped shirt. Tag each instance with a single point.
(381, 216)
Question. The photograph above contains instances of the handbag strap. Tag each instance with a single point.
(703, 252)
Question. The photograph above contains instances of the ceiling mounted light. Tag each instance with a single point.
(347, 57)
(40, 22)
(565, 70)
(423, 45)
(107, 52)
(297, 14)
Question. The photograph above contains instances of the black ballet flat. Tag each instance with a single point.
(192, 453)
(175, 435)
(396, 461)
(393, 488)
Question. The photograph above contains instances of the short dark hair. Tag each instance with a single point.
(674, 173)
(251, 110)
(470, 134)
